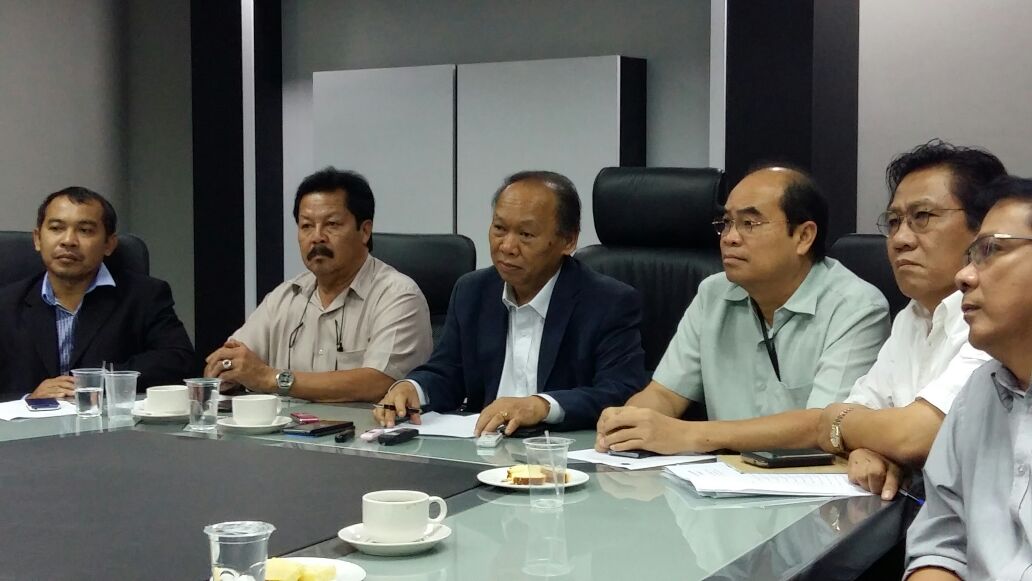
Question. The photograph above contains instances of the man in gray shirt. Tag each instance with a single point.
(977, 520)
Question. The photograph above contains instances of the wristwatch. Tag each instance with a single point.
(284, 381)
(836, 432)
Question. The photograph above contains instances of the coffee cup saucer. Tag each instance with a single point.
(140, 412)
(230, 425)
(356, 536)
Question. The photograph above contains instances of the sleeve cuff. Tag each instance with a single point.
(556, 414)
(959, 569)
(419, 390)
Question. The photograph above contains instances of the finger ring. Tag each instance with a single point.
(505, 415)
(227, 363)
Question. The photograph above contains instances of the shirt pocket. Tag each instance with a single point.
(776, 397)
(351, 359)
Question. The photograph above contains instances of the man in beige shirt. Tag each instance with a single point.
(343, 331)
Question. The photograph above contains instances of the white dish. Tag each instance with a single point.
(230, 425)
(496, 477)
(140, 412)
(355, 536)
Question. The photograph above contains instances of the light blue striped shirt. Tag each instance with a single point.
(66, 319)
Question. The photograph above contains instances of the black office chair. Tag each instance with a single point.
(20, 259)
(866, 256)
(434, 261)
(656, 235)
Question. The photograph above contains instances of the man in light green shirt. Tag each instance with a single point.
(781, 328)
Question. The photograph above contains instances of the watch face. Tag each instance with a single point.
(285, 379)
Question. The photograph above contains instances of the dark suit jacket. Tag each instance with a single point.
(132, 325)
(591, 355)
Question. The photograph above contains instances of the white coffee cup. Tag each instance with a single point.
(259, 409)
(399, 516)
(167, 399)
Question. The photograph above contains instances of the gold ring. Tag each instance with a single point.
(505, 415)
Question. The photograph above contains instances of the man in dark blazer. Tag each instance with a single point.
(536, 338)
(78, 314)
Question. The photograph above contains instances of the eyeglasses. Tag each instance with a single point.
(917, 220)
(744, 227)
(985, 247)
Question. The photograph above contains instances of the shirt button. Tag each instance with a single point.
(1021, 470)
(322, 352)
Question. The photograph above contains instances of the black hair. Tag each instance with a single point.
(802, 201)
(567, 201)
(358, 197)
(971, 169)
(1006, 187)
(81, 195)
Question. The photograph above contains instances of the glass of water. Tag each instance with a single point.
(239, 550)
(89, 391)
(203, 393)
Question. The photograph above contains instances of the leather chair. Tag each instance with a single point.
(434, 261)
(654, 225)
(866, 256)
(20, 259)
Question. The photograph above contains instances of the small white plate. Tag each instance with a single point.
(140, 412)
(230, 425)
(496, 477)
(345, 571)
(355, 536)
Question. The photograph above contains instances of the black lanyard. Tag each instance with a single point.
(771, 352)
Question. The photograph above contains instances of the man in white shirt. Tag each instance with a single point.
(893, 413)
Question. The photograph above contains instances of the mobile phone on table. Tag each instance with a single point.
(42, 404)
(397, 436)
(320, 428)
(345, 435)
(304, 417)
(637, 454)
(788, 458)
(528, 431)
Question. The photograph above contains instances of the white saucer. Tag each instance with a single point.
(496, 477)
(140, 412)
(354, 536)
(230, 425)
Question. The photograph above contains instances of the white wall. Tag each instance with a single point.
(953, 69)
(673, 35)
(61, 103)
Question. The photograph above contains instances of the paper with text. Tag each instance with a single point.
(719, 479)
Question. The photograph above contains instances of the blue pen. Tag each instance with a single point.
(919, 501)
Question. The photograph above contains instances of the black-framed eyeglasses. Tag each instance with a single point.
(744, 226)
(917, 220)
(985, 247)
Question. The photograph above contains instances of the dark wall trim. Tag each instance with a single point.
(218, 171)
(792, 94)
(633, 96)
(268, 95)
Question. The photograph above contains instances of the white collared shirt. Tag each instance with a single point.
(522, 349)
(927, 356)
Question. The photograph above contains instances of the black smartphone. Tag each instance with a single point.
(345, 435)
(788, 458)
(321, 428)
(528, 431)
(398, 436)
(638, 454)
(225, 406)
(40, 404)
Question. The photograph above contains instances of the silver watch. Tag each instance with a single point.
(284, 381)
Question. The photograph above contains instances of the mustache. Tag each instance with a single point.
(320, 250)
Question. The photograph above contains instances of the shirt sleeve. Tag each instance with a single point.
(856, 333)
(941, 391)
(400, 338)
(680, 369)
(937, 537)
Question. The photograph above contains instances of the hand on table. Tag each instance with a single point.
(514, 412)
(875, 473)
(61, 386)
(400, 401)
(634, 428)
(235, 363)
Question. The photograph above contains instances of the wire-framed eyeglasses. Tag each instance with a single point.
(985, 247)
(917, 220)
(744, 226)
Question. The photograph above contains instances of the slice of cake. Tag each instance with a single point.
(524, 474)
(318, 572)
(282, 570)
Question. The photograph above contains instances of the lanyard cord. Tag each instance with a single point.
(767, 341)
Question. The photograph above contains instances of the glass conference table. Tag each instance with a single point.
(619, 525)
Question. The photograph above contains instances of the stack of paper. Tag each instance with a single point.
(455, 426)
(10, 410)
(636, 463)
(719, 479)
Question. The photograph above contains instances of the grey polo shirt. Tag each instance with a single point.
(827, 335)
(386, 324)
(977, 517)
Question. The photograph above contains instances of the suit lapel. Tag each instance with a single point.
(42, 327)
(495, 331)
(560, 309)
(94, 312)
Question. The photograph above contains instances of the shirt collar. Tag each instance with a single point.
(803, 300)
(102, 278)
(540, 301)
(1007, 386)
(361, 285)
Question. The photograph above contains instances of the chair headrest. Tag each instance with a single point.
(657, 206)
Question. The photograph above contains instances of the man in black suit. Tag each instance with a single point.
(78, 314)
(538, 337)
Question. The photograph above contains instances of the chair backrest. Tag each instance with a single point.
(20, 259)
(866, 256)
(655, 233)
(434, 261)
